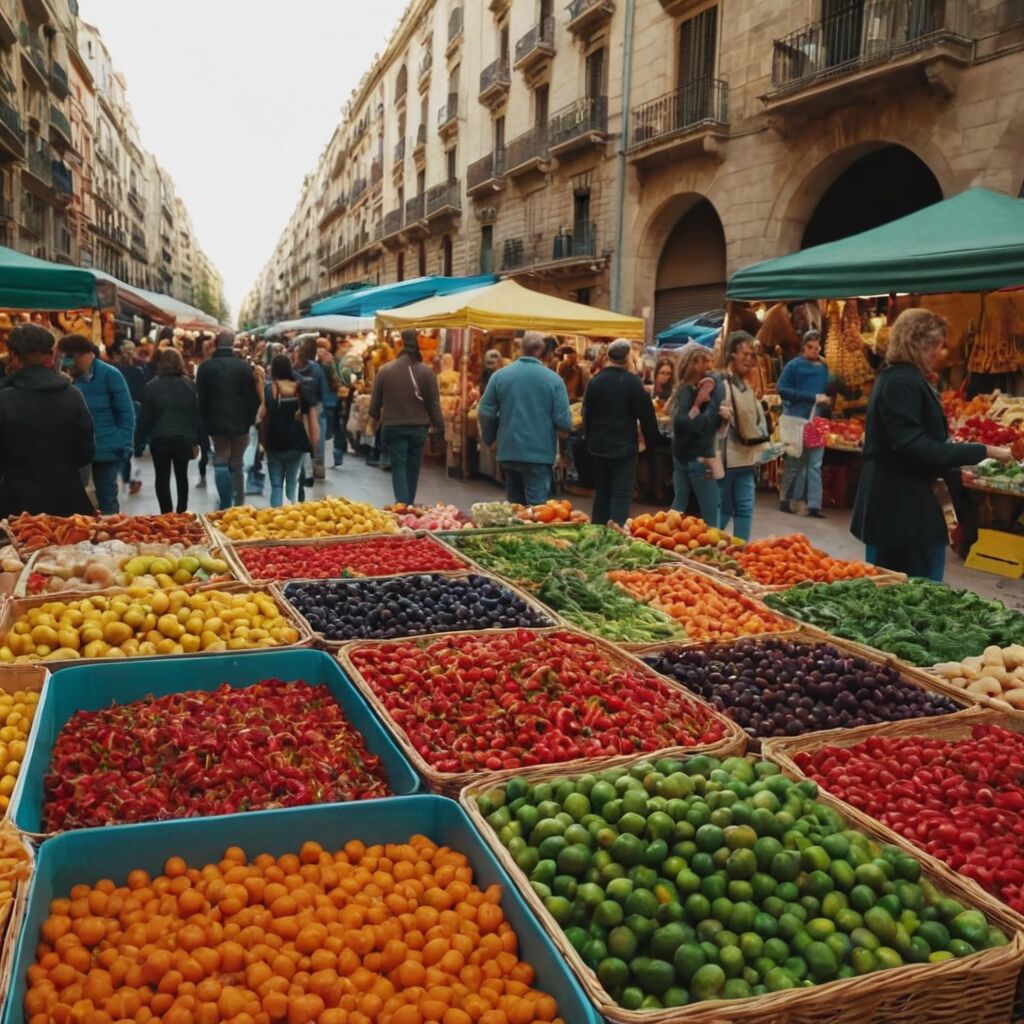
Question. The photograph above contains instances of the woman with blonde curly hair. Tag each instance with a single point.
(898, 511)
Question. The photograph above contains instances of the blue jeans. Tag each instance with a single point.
(104, 482)
(338, 433)
(737, 488)
(228, 468)
(405, 445)
(527, 483)
(283, 468)
(927, 562)
(693, 476)
(801, 478)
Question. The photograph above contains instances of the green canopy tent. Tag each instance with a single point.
(973, 242)
(30, 283)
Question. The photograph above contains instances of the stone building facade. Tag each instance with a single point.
(634, 153)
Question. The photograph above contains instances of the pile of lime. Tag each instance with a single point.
(679, 881)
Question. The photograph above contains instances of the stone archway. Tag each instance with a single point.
(804, 189)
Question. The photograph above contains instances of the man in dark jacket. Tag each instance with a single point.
(46, 433)
(406, 402)
(228, 404)
(614, 403)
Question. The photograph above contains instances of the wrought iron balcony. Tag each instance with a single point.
(39, 160)
(139, 244)
(495, 81)
(33, 220)
(580, 243)
(579, 124)
(527, 152)
(60, 174)
(486, 175)
(426, 63)
(393, 222)
(399, 151)
(513, 254)
(448, 114)
(335, 209)
(35, 63)
(415, 209)
(60, 125)
(455, 26)
(359, 187)
(59, 80)
(376, 172)
(12, 135)
(694, 108)
(587, 15)
(135, 198)
(537, 45)
(446, 198)
(862, 35)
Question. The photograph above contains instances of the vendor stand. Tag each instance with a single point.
(964, 258)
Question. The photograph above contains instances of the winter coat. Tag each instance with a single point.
(228, 399)
(112, 410)
(46, 437)
(170, 412)
(613, 404)
(394, 402)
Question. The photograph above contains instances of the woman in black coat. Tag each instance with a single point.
(897, 512)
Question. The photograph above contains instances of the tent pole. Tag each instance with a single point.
(463, 401)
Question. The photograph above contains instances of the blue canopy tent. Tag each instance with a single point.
(367, 301)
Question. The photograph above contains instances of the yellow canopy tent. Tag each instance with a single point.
(508, 306)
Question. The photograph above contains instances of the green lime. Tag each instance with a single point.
(862, 937)
(559, 908)
(886, 957)
(634, 801)
(752, 946)
(574, 860)
(697, 907)
(863, 960)
(618, 889)
(778, 979)
(642, 902)
(796, 967)
(576, 805)
(776, 950)
(708, 981)
(848, 920)
(970, 925)
(843, 874)
(627, 849)
(687, 882)
(565, 885)
(634, 824)
(653, 976)
(713, 886)
(820, 928)
(608, 914)
(940, 956)
(766, 925)
(958, 947)
(785, 866)
(935, 934)
(622, 943)
(709, 838)
(688, 959)
(832, 904)
(741, 863)
(742, 916)
(880, 921)
(731, 960)
(602, 792)
(702, 864)
(552, 847)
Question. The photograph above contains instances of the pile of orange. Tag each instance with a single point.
(707, 610)
(674, 531)
(786, 561)
(394, 934)
(557, 510)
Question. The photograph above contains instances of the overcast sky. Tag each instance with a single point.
(237, 98)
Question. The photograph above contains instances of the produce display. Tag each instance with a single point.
(844, 346)
(17, 712)
(307, 936)
(682, 881)
(192, 754)
(961, 800)
(919, 621)
(327, 517)
(981, 430)
(957, 406)
(376, 556)
(997, 674)
(495, 513)
(598, 606)
(143, 623)
(556, 510)
(705, 609)
(674, 531)
(846, 433)
(780, 687)
(32, 532)
(435, 517)
(15, 867)
(113, 563)
(786, 561)
(1004, 475)
(528, 557)
(507, 701)
(382, 609)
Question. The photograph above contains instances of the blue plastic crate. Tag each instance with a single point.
(91, 854)
(92, 687)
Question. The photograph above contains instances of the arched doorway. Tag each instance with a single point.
(691, 269)
(882, 186)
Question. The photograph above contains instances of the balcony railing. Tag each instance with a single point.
(11, 120)
(444, 197)
(454, 25)
(393, 222)
(513, 254)
(376, 172)
(6, 210)
(579, 243)
(863, 33)
(495, 79)
(539, 42)
(691, 106)
(59, 121)
(399, 151)
(448, 112)
(39, 160)
(578, 120)
(487, 171)
(526, 149)
(426, 63)
(584, 15)
(139, 243)
(421, 136)
(33, 219)
(415, 209)
(60, 174)
(359, 186)
(59, 79)
(39, 62)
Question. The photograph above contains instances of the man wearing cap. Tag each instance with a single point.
(614, 403)
(228, 404)
(802, 386)
(525, 407)
(406, 402)
(46, 432)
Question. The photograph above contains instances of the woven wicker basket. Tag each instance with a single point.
(908, 674)
(238, 566)
(336, 645)
(978, 989)
(11, 608)
(450, 784)
(11, 918)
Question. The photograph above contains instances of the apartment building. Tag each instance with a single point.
(634, 154)
(76, 183)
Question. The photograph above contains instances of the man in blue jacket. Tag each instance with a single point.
(525, 407)
(112, 410)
